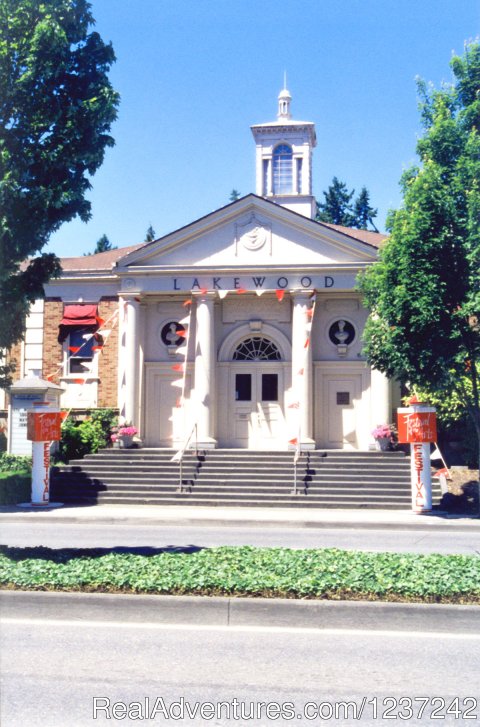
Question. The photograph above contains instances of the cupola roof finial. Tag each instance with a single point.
(284, 100)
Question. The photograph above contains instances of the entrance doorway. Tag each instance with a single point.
(256, 393)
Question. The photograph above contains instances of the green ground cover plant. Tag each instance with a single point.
(248, 571)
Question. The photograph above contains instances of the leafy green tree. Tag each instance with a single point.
(424, 293)
(363, 213)
(150, 234)
(336, 208)
(234, 195)
(56, 109)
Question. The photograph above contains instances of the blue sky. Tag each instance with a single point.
(195, 74)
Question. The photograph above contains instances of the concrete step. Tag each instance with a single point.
(238, 477)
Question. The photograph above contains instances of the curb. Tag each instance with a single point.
(241, 612)
(420, 524)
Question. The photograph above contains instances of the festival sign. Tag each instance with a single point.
(417, 427)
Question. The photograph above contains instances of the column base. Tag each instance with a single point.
(205, 443)
(307, 444)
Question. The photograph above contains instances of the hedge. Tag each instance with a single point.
(15, 487)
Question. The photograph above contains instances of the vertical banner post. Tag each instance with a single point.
(417, 426)
(43, 428)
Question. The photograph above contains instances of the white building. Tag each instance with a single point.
(245, 323)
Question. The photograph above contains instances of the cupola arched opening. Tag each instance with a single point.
(283, 169)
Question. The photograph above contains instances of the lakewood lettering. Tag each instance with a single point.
(253, 283)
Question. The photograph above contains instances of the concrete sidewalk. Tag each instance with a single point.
(242, 516)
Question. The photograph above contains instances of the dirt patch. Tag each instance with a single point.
(463, 496)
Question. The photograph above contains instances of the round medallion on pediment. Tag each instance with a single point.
(254, 238)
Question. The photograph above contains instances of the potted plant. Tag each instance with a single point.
(123, 437)
(384, 436)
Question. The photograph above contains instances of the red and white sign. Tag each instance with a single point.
(417, 427)
(44, 426)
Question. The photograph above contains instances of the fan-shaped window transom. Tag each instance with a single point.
(257, 348)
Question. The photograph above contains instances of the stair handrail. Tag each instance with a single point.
(178, 456)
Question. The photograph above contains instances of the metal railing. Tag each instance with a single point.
(178, 456)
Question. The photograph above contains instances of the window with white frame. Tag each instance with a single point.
(79, 348)
(283, 169)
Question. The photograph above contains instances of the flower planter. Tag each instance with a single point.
(382, 444)
(125, 441)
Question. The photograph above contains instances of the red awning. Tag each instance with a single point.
(80, 314)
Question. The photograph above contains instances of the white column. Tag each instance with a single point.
(205, 370)
(380, 397)
(128, 352)
(302, 361)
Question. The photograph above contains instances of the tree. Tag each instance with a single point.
(234, 195)
(363, 213)
(337, 206)
(150, 234)
(424, 293)
(56, 109)
(104, 245)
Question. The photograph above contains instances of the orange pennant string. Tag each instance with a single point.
(78, 381)
(50, 377)
(63, 415)
(310, 312)
(188, 302)
(177, 367)
(295, 405)
(240, 291)
(307, 343)
(74, 349)
(181, 333)
(293, 441)
(280, 294)
(99, 320)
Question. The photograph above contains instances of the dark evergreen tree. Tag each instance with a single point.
(363, 213)
(234, 195)
(336, 208)
(150, 234)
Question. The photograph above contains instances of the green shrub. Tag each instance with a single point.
(15, 487)
(15, 463)
(87, 436)
(108, 419)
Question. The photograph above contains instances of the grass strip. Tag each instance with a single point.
(248, 571)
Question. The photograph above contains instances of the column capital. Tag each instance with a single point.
(301, 296)
(208, 295)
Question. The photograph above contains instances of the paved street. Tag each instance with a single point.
(100, 535)
(59, 662)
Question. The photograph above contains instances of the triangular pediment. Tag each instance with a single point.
(250, 233)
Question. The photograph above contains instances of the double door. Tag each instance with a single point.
(256, 414)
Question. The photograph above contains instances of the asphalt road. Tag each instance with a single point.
(62, 535)
(59, 663)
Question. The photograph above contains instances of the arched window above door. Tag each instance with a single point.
(257, 348)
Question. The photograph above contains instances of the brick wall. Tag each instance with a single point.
(52, 349)
(108, 362)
